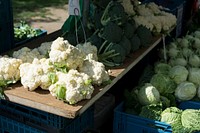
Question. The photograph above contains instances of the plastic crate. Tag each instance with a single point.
(175, 7)
(126, 123)
(46, 121)
(42, 33)
(189, 105)
(10, 126)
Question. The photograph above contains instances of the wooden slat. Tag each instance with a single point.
(44, 101)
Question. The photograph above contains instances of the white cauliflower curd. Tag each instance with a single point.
(35, 74)
(64, 54)
(72, 87)
(89, 49)
(27, 55)
(96, 70)
(9, 69)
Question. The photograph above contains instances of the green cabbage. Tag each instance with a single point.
(172, 116)
(178, 73)
(152, 111)
(162, 68)
(148, 94)
(190, 118)
(194, 75)
(163, 83)
(185, 91)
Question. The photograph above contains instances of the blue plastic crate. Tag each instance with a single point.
(44, 120)
(189, 105)
(126, 123)
(10, 126)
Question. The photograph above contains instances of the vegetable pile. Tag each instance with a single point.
(114, 28)
(69, 73)
(24, 31)
(169, 82)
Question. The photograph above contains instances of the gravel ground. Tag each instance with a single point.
(53, 21)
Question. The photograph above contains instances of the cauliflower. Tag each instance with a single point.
(72, 86)
(35, 74)
(9, 69)
(89, 49)
(96, 70)
(64, 54)
(44, 48)
(128, 7)
(27, 55)
(154, 18)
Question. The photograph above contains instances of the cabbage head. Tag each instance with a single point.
(163, 83)
(152, 111)
(194, 75)
(185, 91)
(148, 94)
(178, 74)
(190, 118)
(172, 116)
(162, 68)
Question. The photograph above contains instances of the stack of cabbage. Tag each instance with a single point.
(170, 81)
(68, 72)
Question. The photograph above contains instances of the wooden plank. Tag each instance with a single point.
(43, 100)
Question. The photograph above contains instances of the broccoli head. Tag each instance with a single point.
(126, 44)
(129, 28)
(135, 42)
(112, 32)
(114, 12)
(145, 35)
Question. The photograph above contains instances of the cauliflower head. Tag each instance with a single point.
(64, 54)
(89, 49)
(35, 74)
(96, 70)
(44, 48)
(9, 69)
(27, 55)
(72, 86)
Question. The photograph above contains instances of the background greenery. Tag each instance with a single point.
(25, 10)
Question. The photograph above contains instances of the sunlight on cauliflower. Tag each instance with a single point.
(64, 53)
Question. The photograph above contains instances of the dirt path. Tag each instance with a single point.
(53, 21)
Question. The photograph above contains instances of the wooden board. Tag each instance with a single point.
(44, 101)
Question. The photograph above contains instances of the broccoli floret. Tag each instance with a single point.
(114, 12)
(126, 44)
(145, 35)
(135, 43)
(112, 32)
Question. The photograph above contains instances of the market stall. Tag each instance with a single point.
(146, 22)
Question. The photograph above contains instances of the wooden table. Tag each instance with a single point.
(43, 100)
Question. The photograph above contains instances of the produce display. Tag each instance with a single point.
(170, 81)
(23, 31)
(69, 73)
(119, 28)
